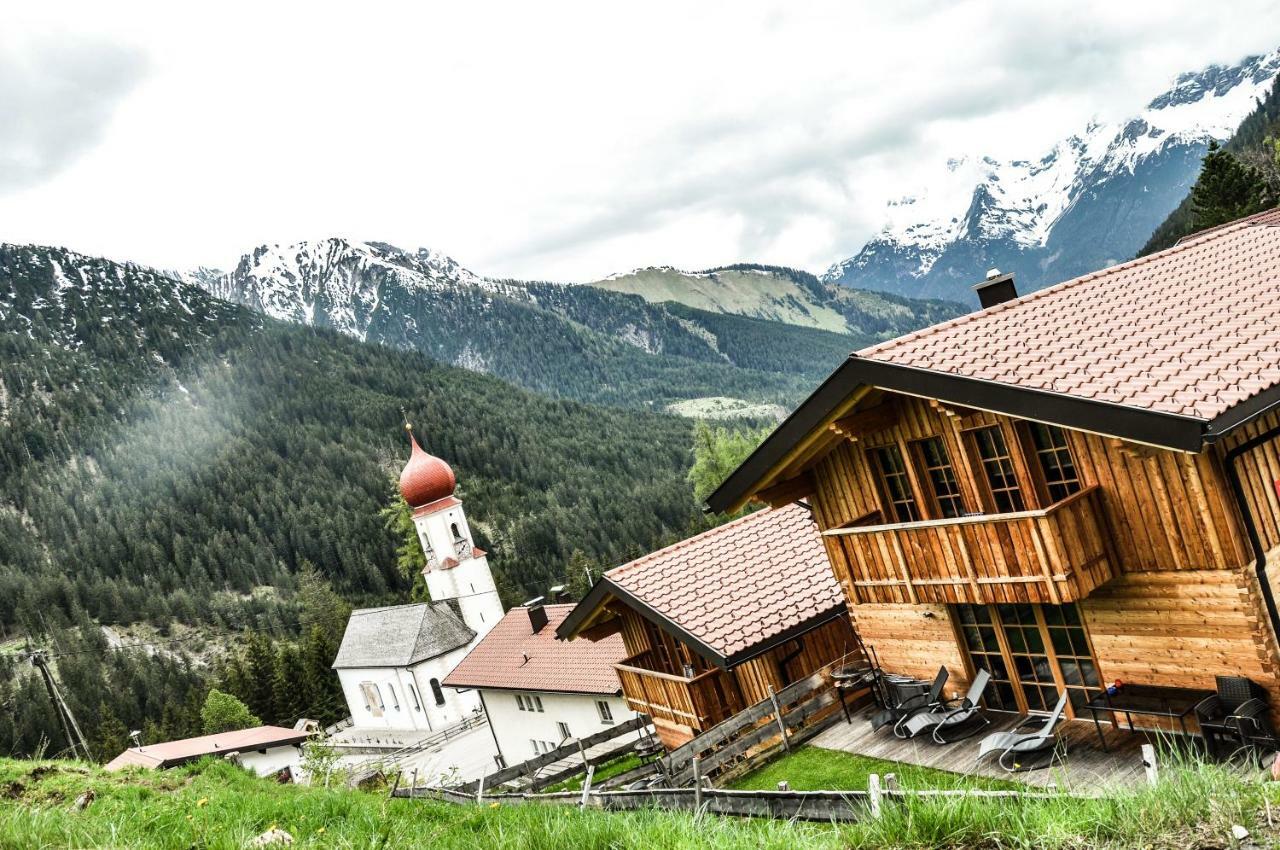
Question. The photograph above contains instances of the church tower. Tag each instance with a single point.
(456, 568)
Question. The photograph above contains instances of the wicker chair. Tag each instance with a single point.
(912, 704)
(1217, 714)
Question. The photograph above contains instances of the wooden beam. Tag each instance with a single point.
(946, 408)
(1140, 451)
(866, 422)
(786, 492)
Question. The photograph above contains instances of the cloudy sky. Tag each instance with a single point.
(550, 140)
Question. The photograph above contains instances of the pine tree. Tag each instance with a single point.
(1226, 190)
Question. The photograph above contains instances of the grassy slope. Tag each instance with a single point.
(218, 806)
(816, 769)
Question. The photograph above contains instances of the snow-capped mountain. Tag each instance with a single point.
(1092, 200)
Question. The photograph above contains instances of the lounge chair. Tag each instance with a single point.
(1018, 744)
(912, 704)
(963, 716)
(1253, 726)
(1217, 714)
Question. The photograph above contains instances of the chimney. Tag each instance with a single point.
(559, 593)
(537, 614)
(996, 289)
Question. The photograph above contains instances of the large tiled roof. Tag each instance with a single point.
(512, 657)
(187, 749)
(740, 585)
(1193, 330)
(400, 635)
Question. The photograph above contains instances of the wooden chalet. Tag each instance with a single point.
(714, 623)
(1065, 489)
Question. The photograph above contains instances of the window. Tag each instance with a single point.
(436, 693)
(997, 466)
(897, 487)
(942, 477)
(372, 698)
(536, 748)
(537, 701)
(606, 713)
(395, 701)
(1056, 464)
(417, 703)
(521, 704)
(563, 729)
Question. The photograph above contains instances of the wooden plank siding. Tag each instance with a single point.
(682, 706)
(1167, 594)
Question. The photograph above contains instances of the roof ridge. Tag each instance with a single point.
(1097, 274)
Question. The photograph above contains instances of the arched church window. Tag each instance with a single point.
(437, 692)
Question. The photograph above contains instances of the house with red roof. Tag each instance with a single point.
(266, 750)
(538, 691)
(712, 624)
(1073, 488)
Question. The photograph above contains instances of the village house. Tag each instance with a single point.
(1065, 489)
(393, 660)
(713, 624)
(266, 750)
(538, 691)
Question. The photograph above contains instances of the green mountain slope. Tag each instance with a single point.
(164, 454)
(1248, 144)
(785, 295)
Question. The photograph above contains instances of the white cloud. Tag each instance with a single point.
(568, 140)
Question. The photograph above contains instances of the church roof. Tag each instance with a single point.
(400, 635)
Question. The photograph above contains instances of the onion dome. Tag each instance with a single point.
(425, 478)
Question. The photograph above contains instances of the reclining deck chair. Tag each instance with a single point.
(1017, 744)
(912, 704)
(963, 716)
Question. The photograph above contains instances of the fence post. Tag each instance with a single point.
(480, 790)
(586, 786)
(784, 785)
(777, 714)
(697, 783)
(1149, 763)
(413, 792)
(873, 794)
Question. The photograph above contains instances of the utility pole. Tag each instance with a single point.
(40, 661)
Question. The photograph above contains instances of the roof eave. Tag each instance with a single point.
(1163, 430)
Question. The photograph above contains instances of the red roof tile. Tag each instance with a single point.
(512, 657)
(186, 749)
(1193, 330)
(741, 584)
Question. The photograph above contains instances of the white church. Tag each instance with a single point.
(393, 659)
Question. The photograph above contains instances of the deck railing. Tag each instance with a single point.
(1058, 554)
(696, 702)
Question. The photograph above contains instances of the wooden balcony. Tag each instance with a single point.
(699, 702)
(1058, 554)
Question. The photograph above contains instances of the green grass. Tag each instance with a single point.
(816, 769)
(608, 770)
(217, 806)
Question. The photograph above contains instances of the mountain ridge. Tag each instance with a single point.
(1091, 201)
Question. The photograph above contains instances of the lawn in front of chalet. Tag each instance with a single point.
(818, 769)
(216, 805)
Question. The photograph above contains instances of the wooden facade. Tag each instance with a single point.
(1064, 558)
(685, 693)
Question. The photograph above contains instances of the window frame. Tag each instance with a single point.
(917, 451)
(888, 504)
(605, 711)
(988, 491)
(1043, 486)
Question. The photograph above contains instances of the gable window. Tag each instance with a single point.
(942, 477)
(1057, 466)
(897, 486)
(997, 468)
(436, 692)
(606, 712)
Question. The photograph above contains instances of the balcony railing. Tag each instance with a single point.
(699, 702)
(1058, 554)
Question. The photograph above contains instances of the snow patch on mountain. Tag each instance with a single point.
(1017, 204)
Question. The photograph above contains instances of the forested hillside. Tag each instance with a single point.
(164, 454)
(1241, 178)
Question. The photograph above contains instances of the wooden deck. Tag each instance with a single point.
(1086, 765)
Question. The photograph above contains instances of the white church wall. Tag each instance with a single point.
(517, 728)
(272, 760)
(402, 708)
